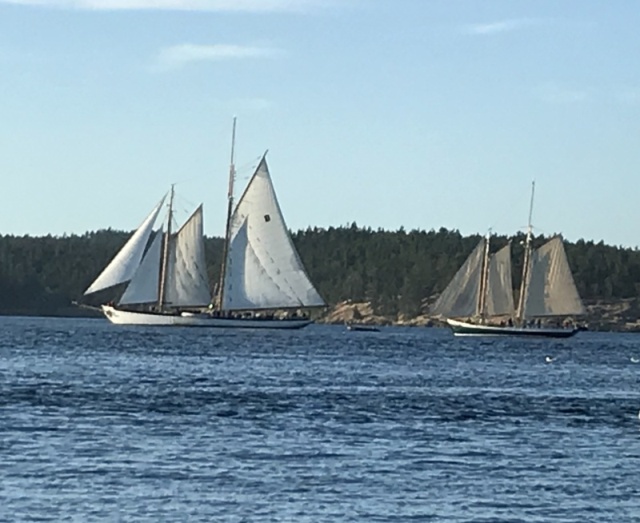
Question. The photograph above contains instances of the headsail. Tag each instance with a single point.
(460, 297)
(126, 262)
(187, 281)
(143, 287)
(499, 284)
(551, 290)
(263, 269)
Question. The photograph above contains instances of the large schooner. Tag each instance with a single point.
(261, 270)
(479, 299)
(263, 283)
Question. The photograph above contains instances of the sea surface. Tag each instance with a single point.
(107, 423)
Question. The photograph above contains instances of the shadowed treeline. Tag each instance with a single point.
(397, 271)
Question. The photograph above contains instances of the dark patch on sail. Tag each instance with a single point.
(267, 218)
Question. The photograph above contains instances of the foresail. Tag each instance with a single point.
(551, 290)
(460, 298)
(143, 287)
(187, 281)
(126, 262)
(499, 284)
(263, 269)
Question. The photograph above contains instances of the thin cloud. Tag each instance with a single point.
(178, 56)
(501, 26)
(178, 5)
(556, 94)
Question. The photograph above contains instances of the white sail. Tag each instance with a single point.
(550, 290)
(126, 262)
(499, 284)
(263, 270)
(187, 283)
(143, 287)
(460, 298)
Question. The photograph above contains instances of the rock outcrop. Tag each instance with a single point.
(355, 312)
(619, 315)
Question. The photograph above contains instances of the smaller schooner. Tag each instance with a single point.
(479, 299)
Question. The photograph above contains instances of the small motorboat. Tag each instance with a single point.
(361, 327)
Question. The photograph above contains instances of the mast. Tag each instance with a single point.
(225, 249)
(527, 261)
(165, 253)
(484, 277)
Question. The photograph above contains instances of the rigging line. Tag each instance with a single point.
(187, 206)
(249, 166)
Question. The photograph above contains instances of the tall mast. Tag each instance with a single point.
(165, 253)
(225, 249)
(484, 277)
(527, 260)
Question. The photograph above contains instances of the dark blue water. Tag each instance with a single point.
(104, 423)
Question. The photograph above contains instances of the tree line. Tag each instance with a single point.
(399, 272)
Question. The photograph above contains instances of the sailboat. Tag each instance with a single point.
(479, 299)
(261, 270)
(164, 272)
(263, 283)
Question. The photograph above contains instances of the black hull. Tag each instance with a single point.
(461, 328)
(363, 328)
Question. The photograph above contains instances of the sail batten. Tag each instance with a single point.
(551, 290)
(126, 262)
(263, 269)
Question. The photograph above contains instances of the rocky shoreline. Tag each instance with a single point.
(606, 316)
(615, 316)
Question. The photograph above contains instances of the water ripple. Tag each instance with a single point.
(99, 423)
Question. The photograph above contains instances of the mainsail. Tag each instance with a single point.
(550, 289)
(263, 269)
(126, 262)
(460, 297)
(499, 298)
(187, 282)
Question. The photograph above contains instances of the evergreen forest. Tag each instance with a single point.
(399, 272)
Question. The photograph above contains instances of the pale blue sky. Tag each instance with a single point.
(418, 113)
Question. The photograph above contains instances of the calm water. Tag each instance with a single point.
(104, 423)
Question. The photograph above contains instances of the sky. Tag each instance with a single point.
(389, 113)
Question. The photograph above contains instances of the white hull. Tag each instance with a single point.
(120, 317)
